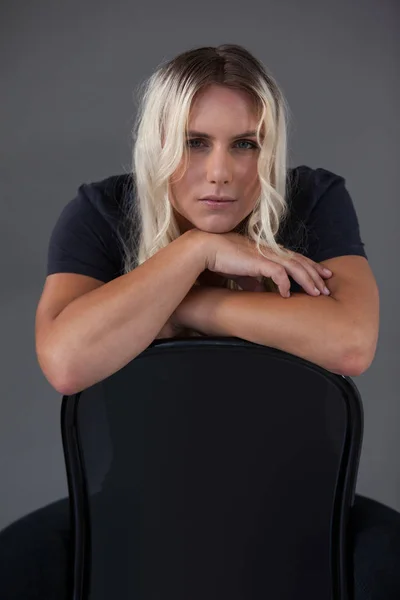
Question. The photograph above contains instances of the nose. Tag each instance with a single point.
(219, 166)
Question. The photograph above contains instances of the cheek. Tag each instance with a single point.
(183, 184)
(180, 176)
(179, 193)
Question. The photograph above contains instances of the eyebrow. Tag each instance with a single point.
(211, 137)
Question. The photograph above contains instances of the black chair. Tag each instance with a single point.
(213, 468)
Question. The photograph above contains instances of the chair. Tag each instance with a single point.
(213, 468)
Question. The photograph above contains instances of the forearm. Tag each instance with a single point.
(100, 332)
(313, 328)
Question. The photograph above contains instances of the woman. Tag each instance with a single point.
(145, 255)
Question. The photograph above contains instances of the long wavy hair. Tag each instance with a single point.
(159, 135)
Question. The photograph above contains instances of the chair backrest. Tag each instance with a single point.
(213, 468)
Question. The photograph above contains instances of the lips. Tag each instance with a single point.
(217, 199)
(217, 205)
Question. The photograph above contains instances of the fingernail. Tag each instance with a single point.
(317, 290)
(326, 291)
(327, 271)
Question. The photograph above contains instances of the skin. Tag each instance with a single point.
(222, 165)
(226, 164)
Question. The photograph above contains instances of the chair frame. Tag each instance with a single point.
(345, 488)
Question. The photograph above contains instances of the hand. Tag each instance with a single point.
(235, 253)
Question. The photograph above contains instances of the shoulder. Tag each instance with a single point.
(306, 186)
(110, 197)
(319, 200)
(88, 233)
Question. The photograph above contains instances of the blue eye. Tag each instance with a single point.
(188, 142)
(253, 146)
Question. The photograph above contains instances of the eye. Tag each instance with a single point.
(188, 142)
(252, 145)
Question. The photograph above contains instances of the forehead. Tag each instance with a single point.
(222, 103)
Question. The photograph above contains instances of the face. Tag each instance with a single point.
(222, 162)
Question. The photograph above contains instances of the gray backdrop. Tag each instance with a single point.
(68, 72)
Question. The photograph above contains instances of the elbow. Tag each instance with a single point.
(61, 385)
(351, 366)
(54, 374)
(357, 359)
(64, 386)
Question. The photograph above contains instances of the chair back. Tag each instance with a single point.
(213, 468)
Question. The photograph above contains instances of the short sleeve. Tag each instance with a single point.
(333, 226)
(82, 241)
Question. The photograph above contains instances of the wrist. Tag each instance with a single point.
(200, 244)
(201, 308)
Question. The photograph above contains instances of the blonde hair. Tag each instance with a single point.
(159, 135)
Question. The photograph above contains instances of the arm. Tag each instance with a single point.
(309, 327)
(99, 332)
(337, 332)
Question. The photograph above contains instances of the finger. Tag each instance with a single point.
(278, 274)
(320, 267)
(301, 271)
(305, 275)
(314, 270)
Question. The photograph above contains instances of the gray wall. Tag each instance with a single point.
(68, 72)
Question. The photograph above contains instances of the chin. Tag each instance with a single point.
(224, 227)
(217, 228)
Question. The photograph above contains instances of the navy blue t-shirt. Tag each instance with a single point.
(322, 223)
